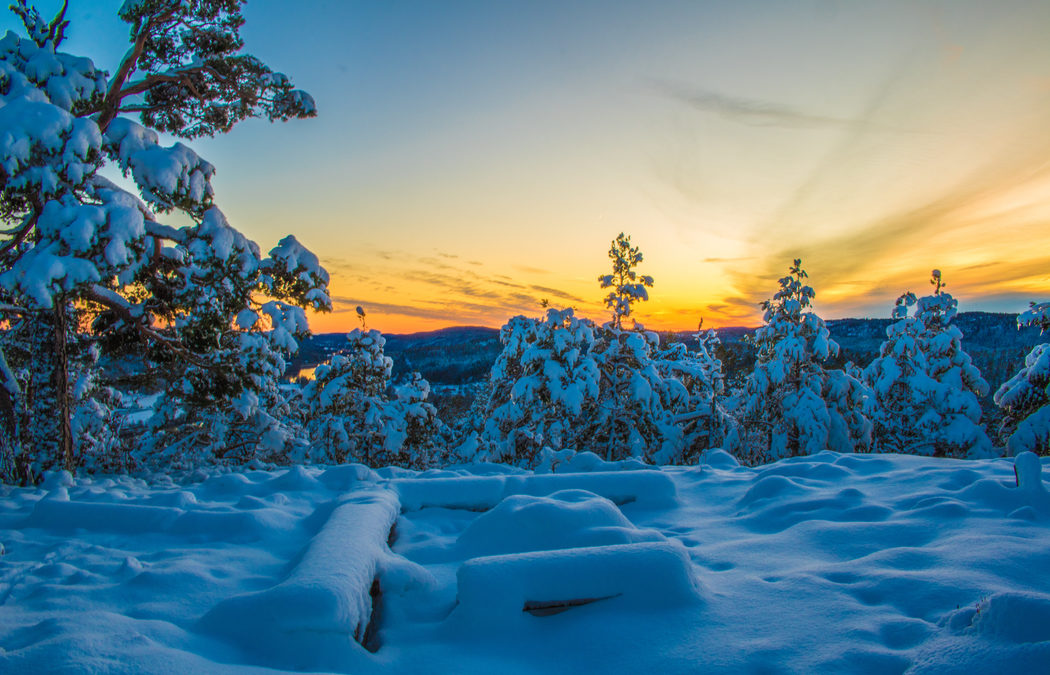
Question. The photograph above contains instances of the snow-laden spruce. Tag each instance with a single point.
(563, 384)
(79, 249)
(541, 388)
(925, 386)
(348, 416)
(793, 405)
(707, 424)
(628, 287)
(1025, 397)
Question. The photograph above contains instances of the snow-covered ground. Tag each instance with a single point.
(830, 563)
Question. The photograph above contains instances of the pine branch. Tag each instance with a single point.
(118, 305)
(111, 103)
(20, 234)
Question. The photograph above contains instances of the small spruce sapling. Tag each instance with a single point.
(793, 405)
(627, 286)
(1025, 397)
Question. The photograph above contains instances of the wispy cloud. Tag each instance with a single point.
(750, 111)
(727, 260)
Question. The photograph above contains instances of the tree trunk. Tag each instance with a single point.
(60, 382)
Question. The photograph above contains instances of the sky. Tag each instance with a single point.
(471, 159)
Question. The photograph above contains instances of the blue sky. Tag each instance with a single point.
(471, 158)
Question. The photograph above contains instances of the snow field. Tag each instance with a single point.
(828, 563)
(306, 620)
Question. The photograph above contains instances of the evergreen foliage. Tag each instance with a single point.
(793, 405)
(192, 295)
(627, 286)
(637, 407)
(1025, 397)
(543, 385)
(925, 387)
(348, 416)
(707, 423)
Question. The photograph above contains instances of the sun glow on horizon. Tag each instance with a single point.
(471, 160)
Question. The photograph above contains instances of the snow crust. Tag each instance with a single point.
(825, 563)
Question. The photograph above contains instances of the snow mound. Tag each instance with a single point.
(1017, 618)
(1003, 633)
(644, 575)
(317, 617)
(565, 519)
(481, 493)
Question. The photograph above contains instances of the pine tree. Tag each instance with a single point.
(541, 388)
(951, 425)
(1025, 397)
(76, 239)
(794, 406)
(902, 389)
(565, 384)
(706, 423)
(634, 413)
(627, 286)
(348, 416)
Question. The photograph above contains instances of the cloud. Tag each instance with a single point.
(558, 294)
(428, 287)
(531, 270)
(749, 111)
(727, 260)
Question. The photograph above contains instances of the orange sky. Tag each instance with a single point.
(472, 158)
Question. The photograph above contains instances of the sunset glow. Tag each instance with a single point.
(472, 158)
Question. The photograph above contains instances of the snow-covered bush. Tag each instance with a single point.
(563, 383)
(793, 405)
(348, 416)
(925, 387)
(706, 423)
(1025, 397)
(637, 407)
(543, 384)
(73, 238)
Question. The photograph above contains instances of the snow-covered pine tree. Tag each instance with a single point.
(349, 417)
(793, 405)
(706, 424)
(627, 286)
(94, 432)
(564, 383)
(637, 408)
(902, 389)
(75, 238)
(541, 388)
(634, 415)
(950, 427)
(1025, 397)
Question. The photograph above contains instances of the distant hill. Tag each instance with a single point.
(456, 355)
(465, 354)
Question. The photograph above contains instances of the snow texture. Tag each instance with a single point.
(825, 563)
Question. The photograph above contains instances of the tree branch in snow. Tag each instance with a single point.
(120, 307)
